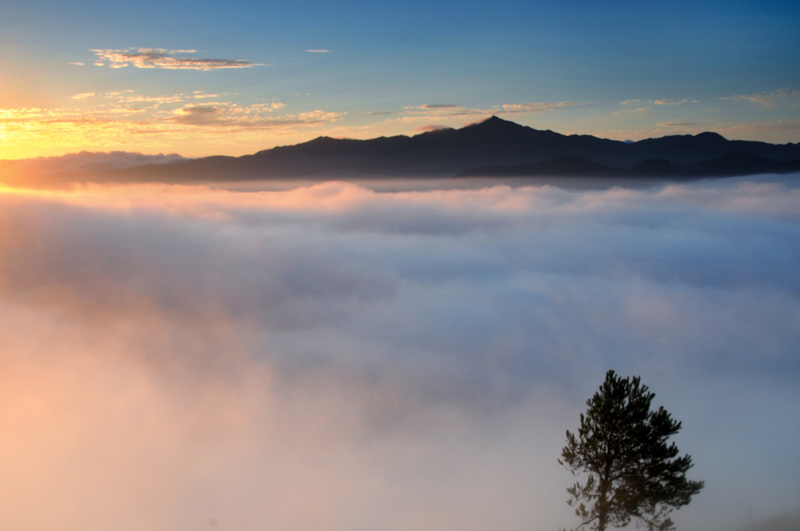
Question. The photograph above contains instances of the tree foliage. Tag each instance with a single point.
(633, 472)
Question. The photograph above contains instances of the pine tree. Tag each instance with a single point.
(634, 473)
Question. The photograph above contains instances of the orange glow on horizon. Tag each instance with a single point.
(192, 124)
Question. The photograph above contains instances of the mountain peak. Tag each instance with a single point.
(495, 121)
(710, 136)
(494, 125)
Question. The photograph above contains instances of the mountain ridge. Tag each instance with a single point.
(734, 164)
(493, 146)
(492, 142)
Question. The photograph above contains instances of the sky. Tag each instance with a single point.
(330, 357)
(202, 78)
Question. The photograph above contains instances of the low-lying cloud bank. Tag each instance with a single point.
(335, 358)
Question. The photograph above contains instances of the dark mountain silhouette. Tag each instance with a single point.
(492, 147)
(494, 141)
(730, 165)
(319, 158)
(738, 163)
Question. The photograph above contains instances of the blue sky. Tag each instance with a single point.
(679, 68)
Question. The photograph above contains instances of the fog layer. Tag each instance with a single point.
(335, 358)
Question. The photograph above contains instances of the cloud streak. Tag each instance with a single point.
(164, 59)
(659, 102)
(251, 117)
(518, 108)
(767, 98)
(456, 111)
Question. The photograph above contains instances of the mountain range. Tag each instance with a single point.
(492, 148)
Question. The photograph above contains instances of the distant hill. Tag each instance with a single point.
(492, 148)
(64, 168)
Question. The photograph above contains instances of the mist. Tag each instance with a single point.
(332, 357)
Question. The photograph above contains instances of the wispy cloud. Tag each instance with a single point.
(157, 100)
(633, 110)
(775, 131)
(255, 116)
(766, 98)
(680, 124)
(162, 58)
(539, 107)
(321, 50)
(664, 101)
(115, 119)
(435, 111)
(456, 111)
(674, 102)
(118, 92)
(114, 101)
(199, 94)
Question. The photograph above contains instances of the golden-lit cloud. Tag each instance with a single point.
(113, 119)
(121, 97)
(156, 100)
(222, 113)
(517, 108)
(162, 58)
(440, 106)
(251, 116)
(199, 94)
(20, 115)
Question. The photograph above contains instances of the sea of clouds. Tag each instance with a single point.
(331, 357)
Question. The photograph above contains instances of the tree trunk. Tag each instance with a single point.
(602, 502)
(601, 519)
